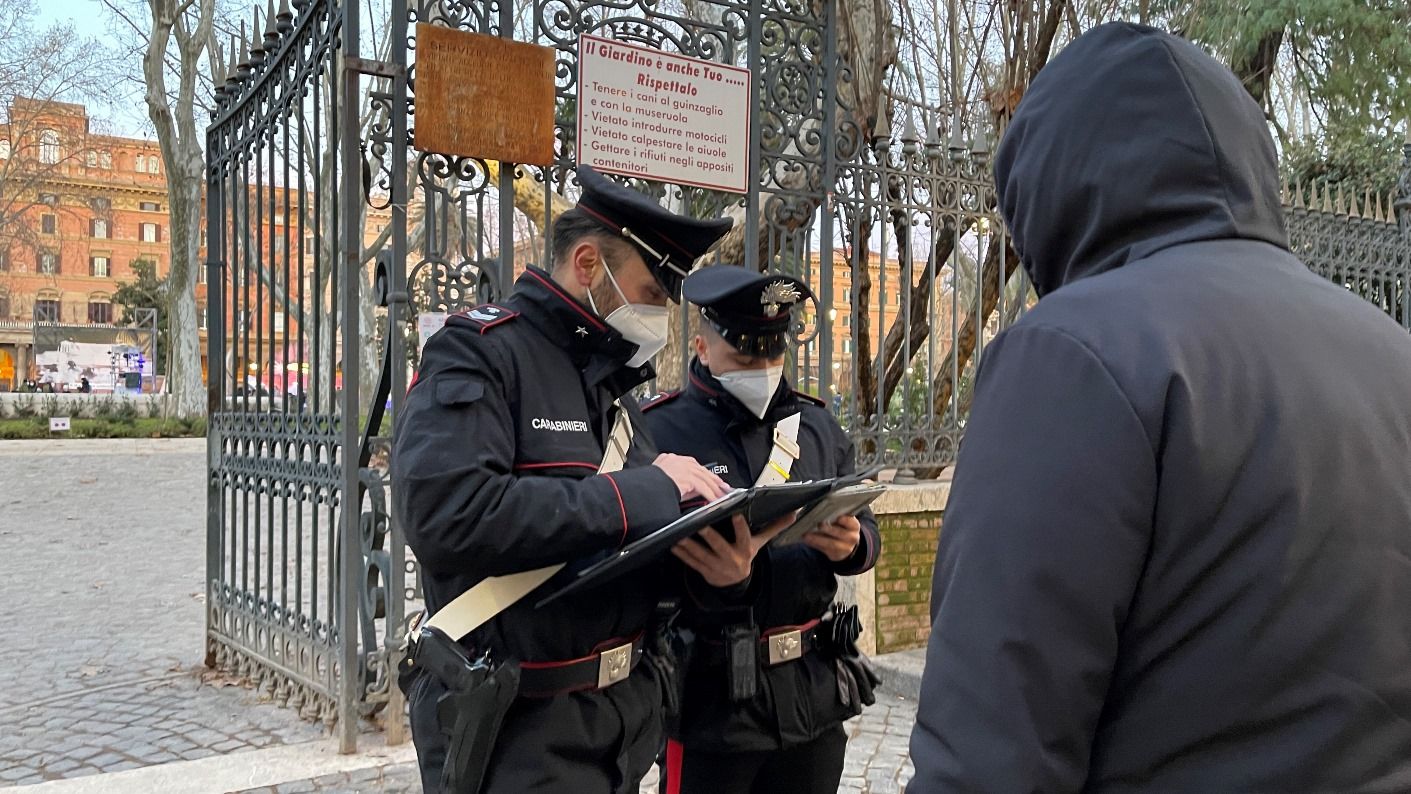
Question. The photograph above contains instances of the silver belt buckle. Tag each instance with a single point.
(614, 664)
(785, 646)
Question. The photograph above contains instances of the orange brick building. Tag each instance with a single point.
(79, 209)
(82, 207)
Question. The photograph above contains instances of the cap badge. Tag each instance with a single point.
(780, 292)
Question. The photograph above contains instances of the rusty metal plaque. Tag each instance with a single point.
(483, 96)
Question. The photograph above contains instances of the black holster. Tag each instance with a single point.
(478, 695)
(669, 652)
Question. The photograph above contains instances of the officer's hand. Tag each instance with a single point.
(837, 539)
(691, 478)
(723, 564)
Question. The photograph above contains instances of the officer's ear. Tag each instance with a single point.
(702, 349)
(585, 259)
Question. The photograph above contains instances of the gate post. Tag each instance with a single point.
(350, 563)
(398, 302)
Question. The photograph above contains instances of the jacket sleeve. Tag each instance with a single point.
(869, 546)
(465, 508)
(1041, 548)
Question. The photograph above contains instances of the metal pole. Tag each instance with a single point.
(349, 681)
(398, 302)
(825, 221)
(752, 204)
(215, 378)
(506, 197)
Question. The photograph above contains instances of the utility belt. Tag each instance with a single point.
(776, 646)
(743, 651)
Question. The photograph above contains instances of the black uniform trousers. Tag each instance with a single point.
(580, 743)
(815, 767)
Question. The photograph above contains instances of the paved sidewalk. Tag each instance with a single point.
(877, 761)
(103, 570)
(103, 689)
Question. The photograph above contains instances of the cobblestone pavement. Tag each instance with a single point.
(877, 761)
(104, 606)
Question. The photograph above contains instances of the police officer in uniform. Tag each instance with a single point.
(776, 728)
(501, 467)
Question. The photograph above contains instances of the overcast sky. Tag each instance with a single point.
(91, 18)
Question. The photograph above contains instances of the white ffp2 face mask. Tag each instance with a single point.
(754, 388)
(642, 324)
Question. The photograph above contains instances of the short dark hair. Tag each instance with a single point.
(573, 227)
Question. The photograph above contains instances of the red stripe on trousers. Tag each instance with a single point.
(673, 767)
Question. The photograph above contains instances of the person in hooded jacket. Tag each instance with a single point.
(495, 467)
(774, 727)
(1177, 553)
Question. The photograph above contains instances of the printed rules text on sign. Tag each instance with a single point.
(657, 115)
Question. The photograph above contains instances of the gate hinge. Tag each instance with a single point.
(372, 67)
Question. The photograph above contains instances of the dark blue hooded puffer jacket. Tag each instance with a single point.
(1177, 554)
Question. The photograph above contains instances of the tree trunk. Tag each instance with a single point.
(1256, 68)
(187, 389)
(179, 140)
(963, 349)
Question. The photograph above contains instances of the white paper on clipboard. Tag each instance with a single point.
(842, 502)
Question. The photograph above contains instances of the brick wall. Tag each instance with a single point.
(904, 579)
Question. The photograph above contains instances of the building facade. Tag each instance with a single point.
(80, 209)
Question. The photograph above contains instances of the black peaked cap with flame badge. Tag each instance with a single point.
(751, 311)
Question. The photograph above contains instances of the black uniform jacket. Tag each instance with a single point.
(1177, 553)
(789, 587)
(495, 467)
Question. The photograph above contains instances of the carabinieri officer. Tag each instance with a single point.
(520, 448)
(772, 720)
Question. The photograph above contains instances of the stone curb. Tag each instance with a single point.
(254, 769)
(901, 672)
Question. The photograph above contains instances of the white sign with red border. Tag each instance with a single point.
(656, 115)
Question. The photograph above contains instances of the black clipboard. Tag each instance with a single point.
(761, 505)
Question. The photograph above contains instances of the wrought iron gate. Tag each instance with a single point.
(283, 401)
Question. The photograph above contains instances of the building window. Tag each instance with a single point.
(151, 233)
(141, 164)
(48, 224)
(201, 273)
(201, 317)
(90, 159)
(100, 312)
(49, 147)
(48, 263)
(4, 261)
(105, 159)
(99, 266)
(4, 148)
(46, 310)
(149, 206)
(847, 294)
(847, 346)
(847, 321)
(148, 165)
(100, 229)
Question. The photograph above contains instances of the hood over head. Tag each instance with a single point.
(1131, 141)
